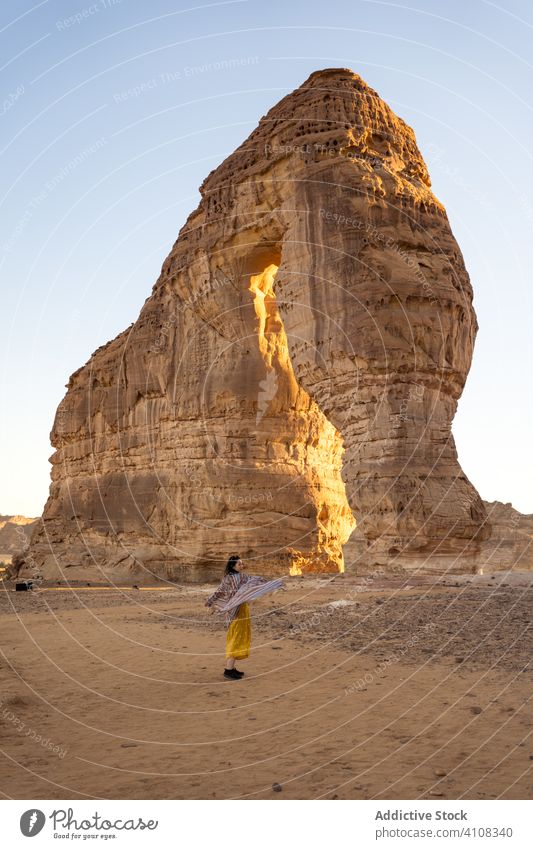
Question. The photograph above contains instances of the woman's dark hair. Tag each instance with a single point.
(234, 558)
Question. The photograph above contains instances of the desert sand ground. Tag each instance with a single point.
(354, 689)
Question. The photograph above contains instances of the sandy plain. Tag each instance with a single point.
(355, 688)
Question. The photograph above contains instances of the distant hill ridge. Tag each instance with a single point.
(15, 534)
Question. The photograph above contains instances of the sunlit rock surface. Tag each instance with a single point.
(297, 365)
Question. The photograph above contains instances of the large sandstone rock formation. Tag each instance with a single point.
(297, 365)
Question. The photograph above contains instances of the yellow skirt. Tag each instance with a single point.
(239, 634)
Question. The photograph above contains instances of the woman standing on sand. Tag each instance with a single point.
(231, 598)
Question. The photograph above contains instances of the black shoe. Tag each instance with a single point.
(239, 672)
(232, 674)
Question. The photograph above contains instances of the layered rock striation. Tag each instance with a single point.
(296, 369)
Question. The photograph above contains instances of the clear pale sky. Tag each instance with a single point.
(114, 112)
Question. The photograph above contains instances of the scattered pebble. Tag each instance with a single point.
(277, 788)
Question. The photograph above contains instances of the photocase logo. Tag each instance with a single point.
(267, 391)
(32, 822)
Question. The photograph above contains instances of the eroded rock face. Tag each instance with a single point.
(298, 363)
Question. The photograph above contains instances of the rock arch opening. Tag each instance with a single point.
(322, 451)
